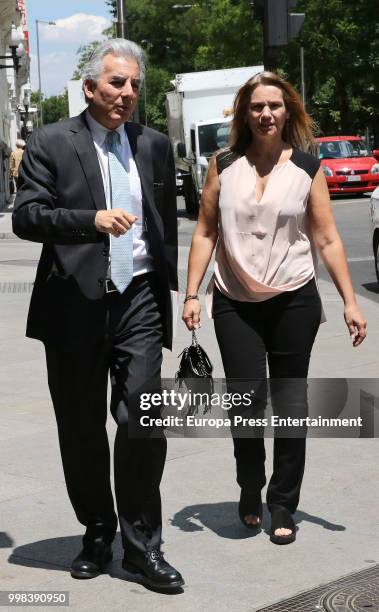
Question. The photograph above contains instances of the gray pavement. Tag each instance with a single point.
(225, 566)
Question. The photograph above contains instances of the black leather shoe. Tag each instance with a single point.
(151, 569)
(91, 561)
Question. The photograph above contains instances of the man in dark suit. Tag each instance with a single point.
(100, 194)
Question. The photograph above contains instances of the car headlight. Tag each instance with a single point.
(375, 169)
(327, 171)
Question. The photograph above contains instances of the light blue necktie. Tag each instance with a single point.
(121, 247)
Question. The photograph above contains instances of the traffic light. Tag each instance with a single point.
(280, 26)
(295, 20)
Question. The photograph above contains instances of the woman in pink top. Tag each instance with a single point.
(266, 205)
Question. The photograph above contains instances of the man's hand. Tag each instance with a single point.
(115, 221)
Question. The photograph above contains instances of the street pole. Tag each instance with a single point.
(38, 21)
(270, 53)
(121, 24)
(39, 118)
(145, 98)
(122, 32)
(270, 58)
(302, 74)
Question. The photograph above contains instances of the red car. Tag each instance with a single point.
(348, 165)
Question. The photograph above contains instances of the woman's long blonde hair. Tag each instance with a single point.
(299, 128)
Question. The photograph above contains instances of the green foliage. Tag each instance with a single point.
(152, 100)
(212, 34)
(340, 40)
(34, 99)
(341, 45)
(112, 7)
(232, 38)
(54, 108)
(84, 52)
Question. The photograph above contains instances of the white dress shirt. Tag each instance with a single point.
(142, 259)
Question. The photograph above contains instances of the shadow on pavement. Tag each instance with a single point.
(351, 196)
(183, 214)
(222, 518)
(5, 540)
(56, 552)
(373, 287)
(316, 520)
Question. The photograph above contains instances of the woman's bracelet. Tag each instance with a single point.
(190, 297)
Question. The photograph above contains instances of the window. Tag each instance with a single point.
(335, 149)
(193, 142)
(213, 137)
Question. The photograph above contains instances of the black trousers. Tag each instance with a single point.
(132, 353)
(283, 328)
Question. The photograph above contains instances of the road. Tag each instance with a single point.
(353, 222)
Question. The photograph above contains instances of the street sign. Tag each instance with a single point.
(295, 21)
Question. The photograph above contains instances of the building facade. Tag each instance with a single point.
(15, 90)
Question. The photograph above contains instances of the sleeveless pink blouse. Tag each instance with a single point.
(264, 248)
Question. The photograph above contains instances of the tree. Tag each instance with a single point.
(152, 100)
(54, 108)
(232, 38)
(340, 40)
(342, 63)
(84, 52)
(209, 35)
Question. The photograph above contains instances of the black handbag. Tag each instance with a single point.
(195, 371)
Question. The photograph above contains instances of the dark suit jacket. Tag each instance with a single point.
(60, 191)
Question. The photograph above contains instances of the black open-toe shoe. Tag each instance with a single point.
(281, 519)
(250, 503)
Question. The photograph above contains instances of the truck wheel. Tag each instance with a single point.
(190, 196)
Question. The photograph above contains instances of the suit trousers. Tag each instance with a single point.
(131, 352)
(283, 328)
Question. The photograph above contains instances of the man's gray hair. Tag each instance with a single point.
(120, 47)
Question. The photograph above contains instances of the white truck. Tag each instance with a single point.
(199, 112)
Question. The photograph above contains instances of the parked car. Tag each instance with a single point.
(374, 210)
(348, 165)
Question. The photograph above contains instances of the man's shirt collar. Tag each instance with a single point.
(99, 132)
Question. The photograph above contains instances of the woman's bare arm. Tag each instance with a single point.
(330, 247)
(203, 243)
